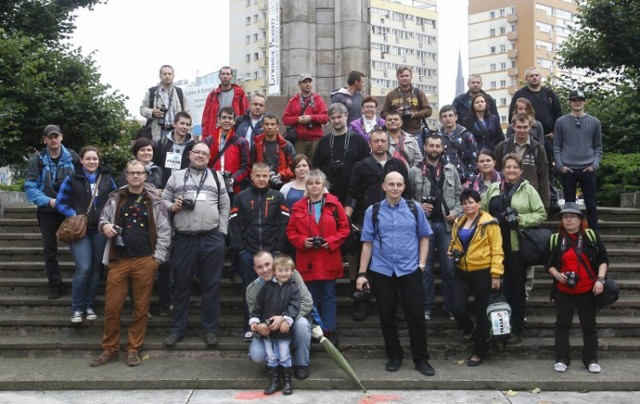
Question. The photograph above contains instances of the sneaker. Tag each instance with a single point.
(427, 315)
(594, 368)
(248, 336)
(77, 317)
(560, 367)
(451, 317)
(91, 315)
(133, 359)
(104, 358)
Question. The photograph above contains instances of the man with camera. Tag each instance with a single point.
(258, 221)
(45, 174)
(137, 224)
(459, 145)
(229, 153)
(410, 101)
(200, 204)
(339, 151)
(402, 145)
(436, 185)
(395, 239)
(162, 102)
(272, 149)
(365, 189)
(226, 95)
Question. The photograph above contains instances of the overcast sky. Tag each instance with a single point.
(133, 38)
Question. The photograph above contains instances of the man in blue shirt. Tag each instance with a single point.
(397, 248)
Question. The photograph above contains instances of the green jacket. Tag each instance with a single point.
(526, 201)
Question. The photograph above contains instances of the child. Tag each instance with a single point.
(278, 298)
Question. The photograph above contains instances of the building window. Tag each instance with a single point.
(502, 13)
(492, 67)
(256, 56)
(503, 30)
(503, 48)
(248, 58)
(503, 83)
(503, 101)
(493, 84)
(256, 17)
(492, 32)
(503, 66)
(503, 118)
(255, 75)
(492, 14)
(255, 37)
(493, 49)
(248, 20)
(248, 38)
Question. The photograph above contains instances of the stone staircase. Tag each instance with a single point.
(31, 326)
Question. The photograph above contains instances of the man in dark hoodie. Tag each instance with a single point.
(351, 96)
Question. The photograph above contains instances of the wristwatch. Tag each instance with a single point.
(600, 279)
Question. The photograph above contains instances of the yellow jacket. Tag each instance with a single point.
(485, 247)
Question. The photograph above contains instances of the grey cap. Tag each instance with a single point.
(577, 95)
(50, 130)
(570, 207)
(304, 76)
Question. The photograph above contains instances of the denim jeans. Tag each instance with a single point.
(587, 181)
(300, 338)
(87, 254)
(439, 240)
(324, 298)
(248, 275)
(277, 351)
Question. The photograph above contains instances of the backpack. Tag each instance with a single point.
(499, 316)
(152, 95)
(376, 210)
(591, 236)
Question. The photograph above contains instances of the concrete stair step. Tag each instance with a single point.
(238, 373)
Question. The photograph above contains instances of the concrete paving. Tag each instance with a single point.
(315, 396)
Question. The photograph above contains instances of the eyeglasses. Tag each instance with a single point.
(200, 152)
(578, 123)
(136, 173)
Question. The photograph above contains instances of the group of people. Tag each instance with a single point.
(285, 204)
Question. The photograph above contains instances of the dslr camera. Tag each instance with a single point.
(337, 166)
(457, 255)
(119, 240)
(161, 120)
(406, 113)
(430, 199)
(572, 279)
(360, 295)
(274, 180)
(511, 217)
(188, 204)
(318, 241)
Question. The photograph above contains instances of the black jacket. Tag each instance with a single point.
(365, 187)
(258, 221)
(160, 149)
(277, 300)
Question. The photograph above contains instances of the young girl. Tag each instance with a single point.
(280, 297)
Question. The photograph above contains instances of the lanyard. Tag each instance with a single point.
(203, 178)
(346, 145)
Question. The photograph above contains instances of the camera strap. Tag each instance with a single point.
(203, 178)
(578, 250)
(346, 145)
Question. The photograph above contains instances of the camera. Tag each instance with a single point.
(457, 255)
(161, 120)
(119, 240)
(188, 204)
(337, 166)
(360, 295)
(511, 217)
(406, 113)
(430, 199)
(274, 180)
(318, 241)
(572, 279)
(227, 178)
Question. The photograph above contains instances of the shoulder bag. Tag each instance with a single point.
(75, 227)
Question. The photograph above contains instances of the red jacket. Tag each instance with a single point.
(315, 264)
(236, 158)
(318, 111)
(285, 151)
(239, 104)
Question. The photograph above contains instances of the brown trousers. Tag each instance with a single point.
(140, 273)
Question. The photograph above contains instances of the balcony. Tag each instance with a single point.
(513, 72)
(512, 18)
(262, 24)
(262, 63)
(512, 90)
(512, 36)
(512, 54)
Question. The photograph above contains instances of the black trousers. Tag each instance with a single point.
(49, 222)
(165, 280)
(464, 284)
(585, 305)
(409, 287)
(513, 285)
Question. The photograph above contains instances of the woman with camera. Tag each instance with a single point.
(578, 264)
(317, 228)
(74, 198)
(516, 204)
(476, 250)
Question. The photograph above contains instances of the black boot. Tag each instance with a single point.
(286, 388)
(274, 386)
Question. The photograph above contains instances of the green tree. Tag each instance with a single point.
(44, 80)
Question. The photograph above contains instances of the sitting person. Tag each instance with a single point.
(301, 332)
(279, 297)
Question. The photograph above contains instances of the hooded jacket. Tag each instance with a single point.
(485, 248)
(44, 176)
(240, 103)
(317, 109)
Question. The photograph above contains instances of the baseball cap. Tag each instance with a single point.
(305, 76)
(50, 130)
(576, 95)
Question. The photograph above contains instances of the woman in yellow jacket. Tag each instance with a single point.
(476, 249)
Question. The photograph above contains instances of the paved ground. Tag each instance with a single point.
(314, 396)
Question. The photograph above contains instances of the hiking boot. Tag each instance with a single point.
(133, 359)
(104, 358)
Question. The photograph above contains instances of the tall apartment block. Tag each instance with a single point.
(508, 36)
(272, 41)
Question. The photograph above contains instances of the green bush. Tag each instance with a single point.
(618, 173)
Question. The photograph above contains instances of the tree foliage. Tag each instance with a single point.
(43, 80)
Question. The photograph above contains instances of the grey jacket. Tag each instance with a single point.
(451, 189)
(209, 213)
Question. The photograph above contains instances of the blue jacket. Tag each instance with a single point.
(44, 177)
